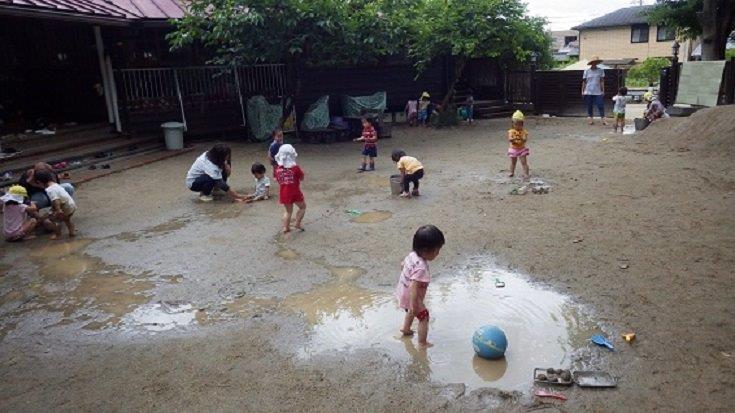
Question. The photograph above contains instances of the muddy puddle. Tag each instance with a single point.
(161, 316)
(157, 230)
(372, 217)
(327, 301)
(78, 288)
(543, 328)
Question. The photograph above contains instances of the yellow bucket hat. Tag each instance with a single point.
(518, 115)
(648, 96)
(18, 190)
(15, 193)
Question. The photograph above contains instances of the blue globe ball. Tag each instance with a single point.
(489, 342)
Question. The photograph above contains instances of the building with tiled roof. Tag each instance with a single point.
(625, 34)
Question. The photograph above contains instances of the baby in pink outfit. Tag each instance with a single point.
(415, 278)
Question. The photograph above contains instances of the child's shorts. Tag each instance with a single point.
(619, 115)
(371, 151)
(423, 115)
(518, 153)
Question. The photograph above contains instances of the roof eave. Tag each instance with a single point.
(59, 15)
(580, 28)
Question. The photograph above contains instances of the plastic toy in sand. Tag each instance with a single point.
(489, 342)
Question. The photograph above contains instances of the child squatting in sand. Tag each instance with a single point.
(415, 278)
(62, 204)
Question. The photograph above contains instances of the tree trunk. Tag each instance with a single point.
(458, 69)
(716, 21)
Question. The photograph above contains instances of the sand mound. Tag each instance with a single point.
(711, 129)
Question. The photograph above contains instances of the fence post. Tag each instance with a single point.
(239, 96)
(181, 102)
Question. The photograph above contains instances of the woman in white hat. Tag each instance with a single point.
(593, 89)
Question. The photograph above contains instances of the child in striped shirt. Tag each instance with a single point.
(370, 148)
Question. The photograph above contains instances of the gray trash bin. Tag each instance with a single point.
(173, 132)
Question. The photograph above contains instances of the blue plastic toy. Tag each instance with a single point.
(489, 342)
(601, 341)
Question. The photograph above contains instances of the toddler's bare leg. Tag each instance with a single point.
(28, 228)
(407, 321)
(513, 162)
(70, 226)
(524, 164)
(49, 225)
(423, 332)
(287, 218)
(300, 214)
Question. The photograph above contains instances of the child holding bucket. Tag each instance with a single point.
(415, 278)
(517, 136)
(369, 139)
(411, 171)
(289, 176)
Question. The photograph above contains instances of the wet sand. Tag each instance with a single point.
(164, 303)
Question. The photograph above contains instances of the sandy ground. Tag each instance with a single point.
(639, 231)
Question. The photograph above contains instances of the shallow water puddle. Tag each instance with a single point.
(160, 229)
(327, 301)
(543, 327)
(60, 249)
(372, 217)
(161, 316)
(73, 282)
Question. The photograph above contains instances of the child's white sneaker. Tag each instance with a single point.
(206, 198)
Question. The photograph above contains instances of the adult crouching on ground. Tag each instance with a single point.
(36, 190)
(593, 89)
(209, 173)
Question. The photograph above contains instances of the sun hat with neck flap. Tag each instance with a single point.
(286, 156)
(15, 193)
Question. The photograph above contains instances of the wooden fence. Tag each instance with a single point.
(557, 92)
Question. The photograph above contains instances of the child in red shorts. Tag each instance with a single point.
(415, 278)
(289, 177)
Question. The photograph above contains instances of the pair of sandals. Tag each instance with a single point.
(415, 192)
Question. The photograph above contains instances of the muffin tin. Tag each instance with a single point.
(561, 377)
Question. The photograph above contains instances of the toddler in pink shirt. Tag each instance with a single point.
(415, 278)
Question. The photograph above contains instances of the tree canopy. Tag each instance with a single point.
(318, 32)
(648, 72)
(328, 32)
(713, 20)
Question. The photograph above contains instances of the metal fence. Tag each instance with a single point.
(202, 97)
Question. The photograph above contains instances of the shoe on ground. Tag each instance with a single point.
(206, 198)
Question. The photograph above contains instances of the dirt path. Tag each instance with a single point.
(662, 210)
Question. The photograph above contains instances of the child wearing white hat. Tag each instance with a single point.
(289, 176)
(517, 137)
(17, 224)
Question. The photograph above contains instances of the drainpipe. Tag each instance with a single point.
(113, 96)
(103, 69)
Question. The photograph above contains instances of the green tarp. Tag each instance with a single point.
(355, 105)
(263, 117)
(317, 116)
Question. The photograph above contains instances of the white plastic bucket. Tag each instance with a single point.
(173, 133)
(396, 186)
